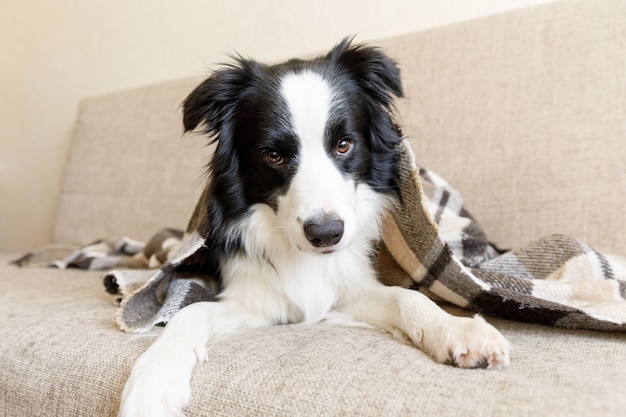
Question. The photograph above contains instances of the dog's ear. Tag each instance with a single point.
(213, 100)
(378, 74)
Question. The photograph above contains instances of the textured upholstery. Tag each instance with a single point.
(130, 154)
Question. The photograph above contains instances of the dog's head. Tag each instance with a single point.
(304, 138)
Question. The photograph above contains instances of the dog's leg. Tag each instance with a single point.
(466, 342)
(159, 384)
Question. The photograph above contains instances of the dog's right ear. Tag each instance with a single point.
(213, 100)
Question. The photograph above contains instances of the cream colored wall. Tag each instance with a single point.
(54, 53)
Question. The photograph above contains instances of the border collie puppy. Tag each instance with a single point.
(302, 174)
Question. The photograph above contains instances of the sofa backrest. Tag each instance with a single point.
(525, 113)
(131, 171)
(522, 112)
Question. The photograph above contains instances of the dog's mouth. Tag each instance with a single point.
(320, 251)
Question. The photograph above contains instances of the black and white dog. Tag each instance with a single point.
(303, 172)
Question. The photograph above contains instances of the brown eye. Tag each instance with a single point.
(344, 146)
(273, 157)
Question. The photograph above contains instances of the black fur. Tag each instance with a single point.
(241, 107)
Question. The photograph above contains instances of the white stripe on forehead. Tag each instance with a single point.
(309, 98)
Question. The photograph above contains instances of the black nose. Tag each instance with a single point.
(324, 233)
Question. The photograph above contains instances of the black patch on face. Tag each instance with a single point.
(365, 81)
(262, 128)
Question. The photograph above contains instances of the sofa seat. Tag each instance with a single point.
(62, 355)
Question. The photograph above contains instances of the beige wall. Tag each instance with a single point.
(53, 53)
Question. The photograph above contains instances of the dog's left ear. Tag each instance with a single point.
(212, 102)
(378, 74)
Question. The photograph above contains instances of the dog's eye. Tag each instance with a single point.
(344, 146)
(273, 157)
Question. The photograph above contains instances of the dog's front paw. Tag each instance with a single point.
(469, 343)
(158, 386)
(477, 344)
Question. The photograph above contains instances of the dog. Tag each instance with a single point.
(302, 174)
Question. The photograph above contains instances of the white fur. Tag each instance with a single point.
(281, 278)
(318, 188)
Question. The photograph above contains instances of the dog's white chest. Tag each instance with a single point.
(285, 290)
(310, 296)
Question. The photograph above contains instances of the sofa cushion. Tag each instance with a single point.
(62, 355)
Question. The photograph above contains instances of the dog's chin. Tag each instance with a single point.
(308, 248)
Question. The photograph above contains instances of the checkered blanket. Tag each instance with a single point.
(430, 243)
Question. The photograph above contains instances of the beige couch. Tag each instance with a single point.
(523, 112)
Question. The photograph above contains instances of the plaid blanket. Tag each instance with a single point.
(430, 243)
